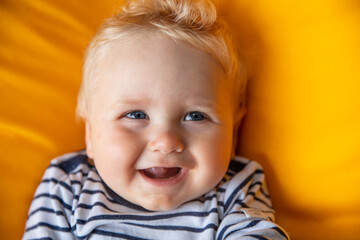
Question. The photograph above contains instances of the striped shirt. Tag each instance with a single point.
(72, 202)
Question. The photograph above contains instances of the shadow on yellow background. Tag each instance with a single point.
(303, 121)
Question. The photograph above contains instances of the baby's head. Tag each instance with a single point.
(162, 96)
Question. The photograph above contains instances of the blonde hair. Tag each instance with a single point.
(194, 22)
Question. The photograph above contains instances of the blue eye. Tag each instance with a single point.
(194, 116)
(137, 115)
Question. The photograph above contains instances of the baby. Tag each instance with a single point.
(162, 97)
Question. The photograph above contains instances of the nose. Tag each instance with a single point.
(166, 143)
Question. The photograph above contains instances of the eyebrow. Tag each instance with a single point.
(202, 104)
(192, 102)
(129, 101)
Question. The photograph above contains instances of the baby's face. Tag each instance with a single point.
(161, 123)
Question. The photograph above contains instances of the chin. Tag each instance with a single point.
(160, 206)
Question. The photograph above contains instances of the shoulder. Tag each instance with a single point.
(51, 210)
(239, 163)
(243, 173)
(66, 174)
(244, 186)
(243, 169)
(70, 164)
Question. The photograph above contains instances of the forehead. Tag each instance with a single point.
(150, 51)
(156, 64)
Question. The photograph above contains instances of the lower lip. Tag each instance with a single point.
(166, 182)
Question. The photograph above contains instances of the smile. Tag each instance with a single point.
(161, 176)
(161, 172)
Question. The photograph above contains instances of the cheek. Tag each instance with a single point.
(116, 151)
(220, 142)
(116, 145)
(214, 151)
(212, 157)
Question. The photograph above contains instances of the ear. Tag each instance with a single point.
(89, 152)
(237, 122)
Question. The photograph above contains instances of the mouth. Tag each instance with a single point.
(161, 172)
(163, 175)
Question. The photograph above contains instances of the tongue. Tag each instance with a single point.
(161, 172)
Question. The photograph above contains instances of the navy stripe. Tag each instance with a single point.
(259, 199)
(54, 180)
(113, 234)
(42, 224)
(236, 212)
(44, 238)
(84, 173)
(255, 183)
(251, 194)
(73, 163)
(263, 202)
(67, 206)
(237, 166)
(66, 186)
(257, 237)
(280, 231)
(241, 185)
(44, 209)
(176, 228)
(90, 206)
(73, 182)
(55, 165)
(261, 190)
(235, 192)
(250, 225)
(147, 217)
(204, 199)
(209, 198)
(92, 180)
(264, 193)
(220, 203)
(241, 203)
(258, 171)
(91, 192)
(87, 206)
(223, 180)
(230, 174)
(119, 200)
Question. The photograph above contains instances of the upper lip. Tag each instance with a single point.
(161, 166)
(164, 162)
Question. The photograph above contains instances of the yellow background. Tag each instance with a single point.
(303, 121)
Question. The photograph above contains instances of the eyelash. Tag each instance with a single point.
(140, 115)
(135, 114)
(203, 116)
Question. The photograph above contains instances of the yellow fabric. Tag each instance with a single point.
(303, 115)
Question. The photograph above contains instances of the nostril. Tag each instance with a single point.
(166, 144)
(170, 150)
